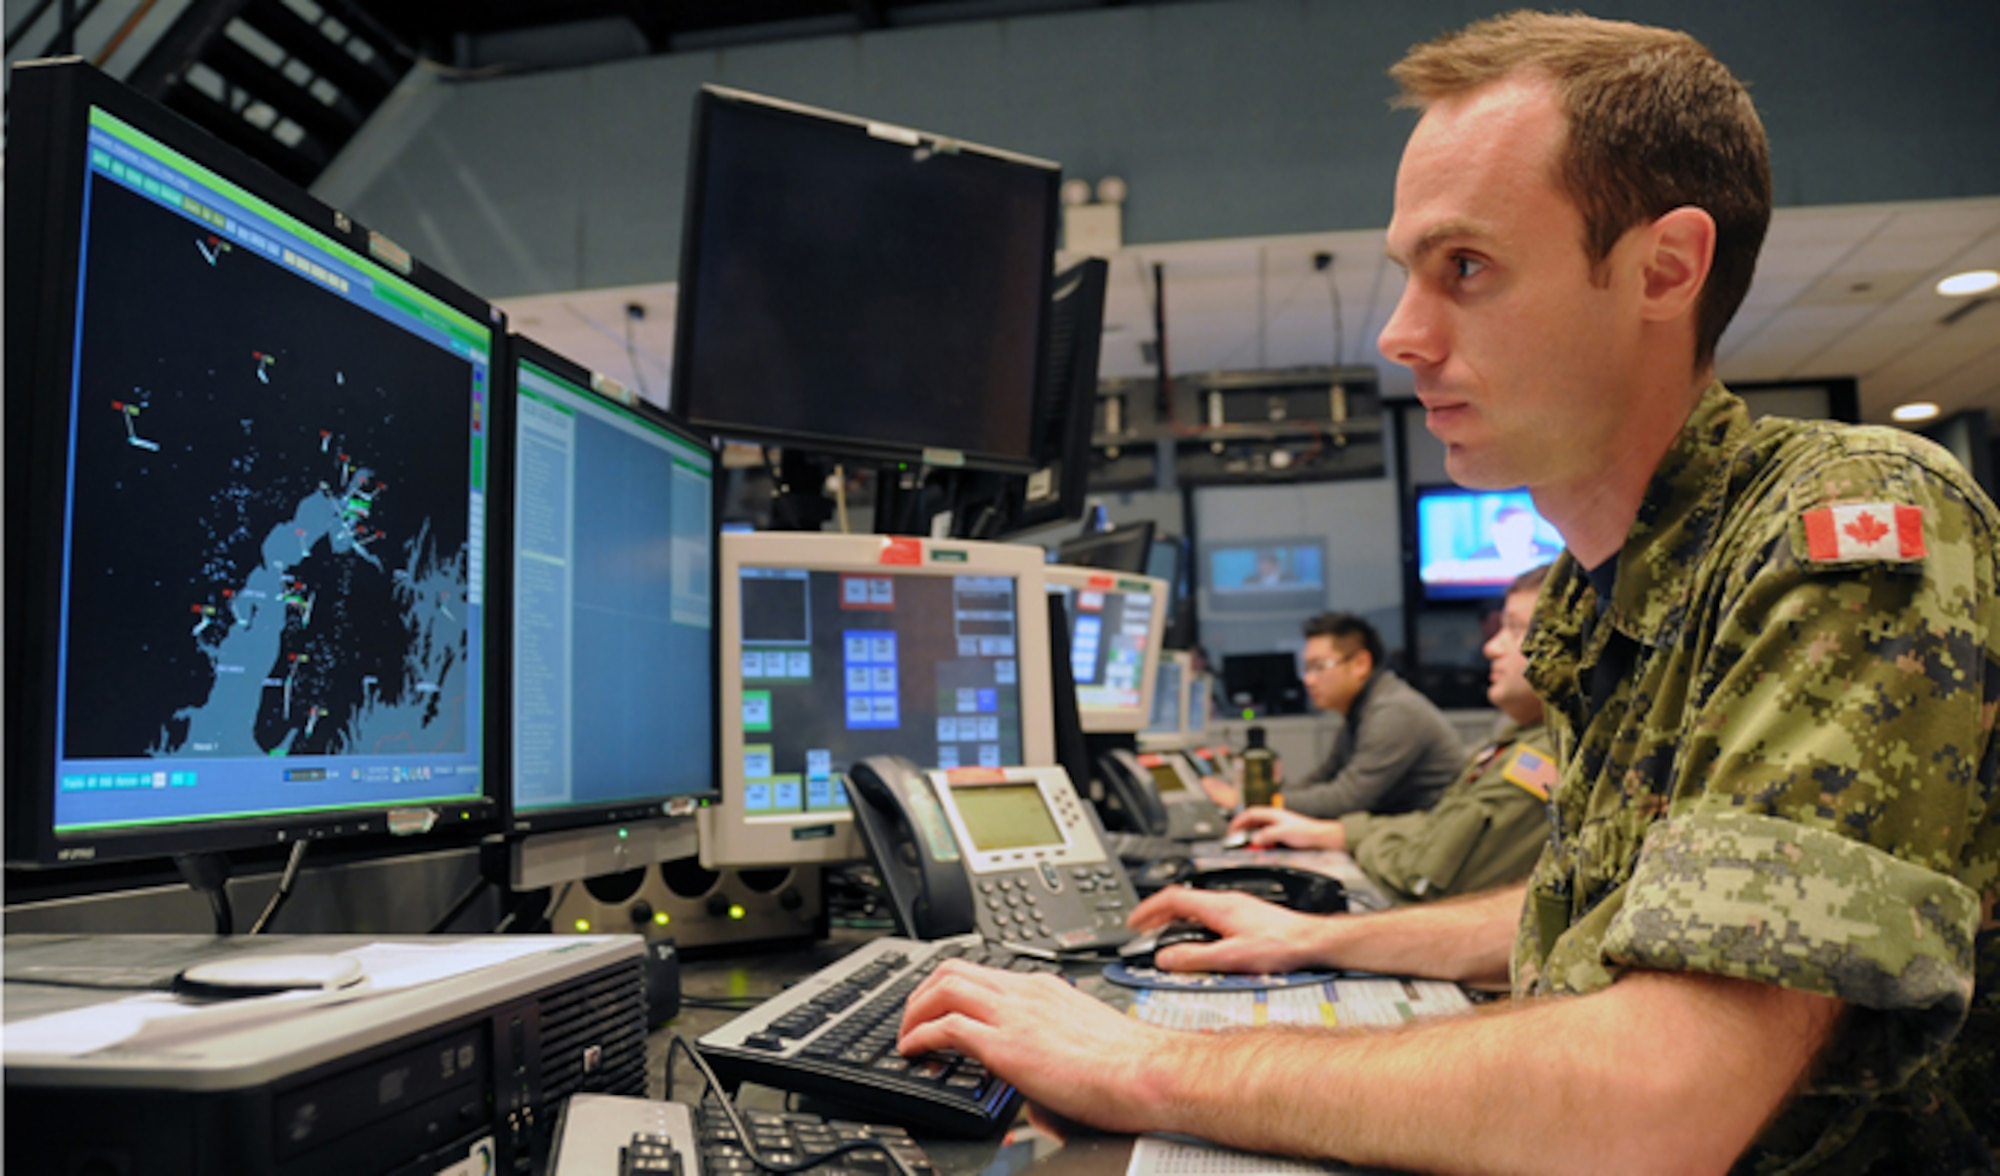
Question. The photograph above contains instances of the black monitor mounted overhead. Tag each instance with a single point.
(996, 504)
(860, 289)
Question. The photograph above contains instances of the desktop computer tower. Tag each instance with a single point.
(461, 1074)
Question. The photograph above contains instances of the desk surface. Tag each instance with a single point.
(760, 975)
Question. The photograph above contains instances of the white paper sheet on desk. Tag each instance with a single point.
(1333, 1004)
(1154, 1155)
(157, 1019)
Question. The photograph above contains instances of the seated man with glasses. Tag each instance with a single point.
(1395, 754)
(1493, 821)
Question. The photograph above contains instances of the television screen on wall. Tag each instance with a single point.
(1472, 543)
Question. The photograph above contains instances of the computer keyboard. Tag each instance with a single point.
(793, 1137)
(614, 1135)
(833, 1035)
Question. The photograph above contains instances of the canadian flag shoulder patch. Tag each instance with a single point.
(1879, 531)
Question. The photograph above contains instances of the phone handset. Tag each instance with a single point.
(913, 846)
(1126, 797)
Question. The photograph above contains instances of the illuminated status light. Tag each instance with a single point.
(583, 926)
(1249, 713)
(1916, 410)
(623, 834)
(661, 918)
(736, 910)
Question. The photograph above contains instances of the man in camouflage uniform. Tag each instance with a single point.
(1490, 825)
(1764, 936)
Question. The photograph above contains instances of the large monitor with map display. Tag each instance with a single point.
(611, 590)
(246, 481)
(836, 647)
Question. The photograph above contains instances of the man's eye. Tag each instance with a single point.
(1465, 267)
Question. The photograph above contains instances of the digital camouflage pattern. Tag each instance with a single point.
(1485, 832)
(1792, 776)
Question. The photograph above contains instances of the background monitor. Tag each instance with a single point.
(1169, 704)
(1266, 682)
(852, 287)
(836, 647)
(1180, 704)
(612, 651)
(1115, 626)
(989, 503)
(1065, 407)
(1268, 575)
(1122, 549)
(1262, 568)
(246, 487)
(1472, 543)
(1163, 562)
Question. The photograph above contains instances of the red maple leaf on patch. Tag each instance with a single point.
(1866, 529)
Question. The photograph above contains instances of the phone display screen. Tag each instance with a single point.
(1006, 816)
(1166, 779)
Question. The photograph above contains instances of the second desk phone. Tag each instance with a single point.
(1160, 794)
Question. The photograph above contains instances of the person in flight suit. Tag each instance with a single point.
(1492, 822)
(1764, 936)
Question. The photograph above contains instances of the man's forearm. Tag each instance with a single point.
(1469, 940)
(1657, 1073)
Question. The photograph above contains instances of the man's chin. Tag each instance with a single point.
(1479, 468)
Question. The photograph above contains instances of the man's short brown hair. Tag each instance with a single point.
(1655, 123)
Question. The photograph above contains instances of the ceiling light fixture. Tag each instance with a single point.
(1916, 410)
(1970, 282)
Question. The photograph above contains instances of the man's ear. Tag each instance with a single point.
(1679, 249)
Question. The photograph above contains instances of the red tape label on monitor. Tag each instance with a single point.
(906, 553)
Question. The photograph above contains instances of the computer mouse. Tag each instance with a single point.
(1140, 951)
(1160, 874)
(1237, 840)
(1301, 890)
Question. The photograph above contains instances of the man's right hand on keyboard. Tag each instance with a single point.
(1066, 1051)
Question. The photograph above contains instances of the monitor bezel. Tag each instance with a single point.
(1119, 720)
(49, 106)
(514, 822)
(710, 98)
(730, 837)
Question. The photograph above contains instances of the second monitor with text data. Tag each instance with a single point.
(613, 606)
(834, 652)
